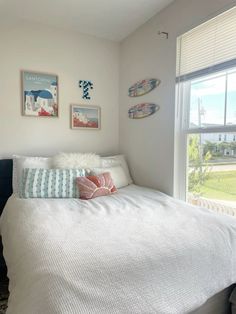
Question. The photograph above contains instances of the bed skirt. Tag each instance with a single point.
(219, 303)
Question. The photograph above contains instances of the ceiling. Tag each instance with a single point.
(110, 19)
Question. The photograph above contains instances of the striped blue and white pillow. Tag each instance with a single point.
(50, 183)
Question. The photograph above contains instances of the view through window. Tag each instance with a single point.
(211, 157)
(211, 171)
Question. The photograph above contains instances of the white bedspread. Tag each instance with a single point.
(138, 251)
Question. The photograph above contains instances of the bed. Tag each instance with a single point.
(137, 251)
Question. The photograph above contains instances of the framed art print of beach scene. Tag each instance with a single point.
(39, 94)
(85, 117)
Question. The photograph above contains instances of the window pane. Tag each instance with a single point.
(207, 102)
(231, 100)
(212, 171)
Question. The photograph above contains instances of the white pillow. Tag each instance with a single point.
(76, 160)
(117, 160)
(22, 162)
(117, 173)
(112, 161)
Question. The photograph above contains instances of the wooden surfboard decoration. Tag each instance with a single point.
(143, 87)
(142, 110)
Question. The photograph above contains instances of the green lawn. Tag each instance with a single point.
(221, 185)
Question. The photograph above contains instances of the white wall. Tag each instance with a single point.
(72, 56)
(149, 143)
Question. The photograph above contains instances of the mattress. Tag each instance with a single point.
(137, 251)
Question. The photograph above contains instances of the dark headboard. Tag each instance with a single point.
(5, 193)
(5, 181)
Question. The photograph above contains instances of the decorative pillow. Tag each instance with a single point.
(76, 160)
(117, 173)
(94, 186)
(117, 160)
(22, 162)
(50, 183)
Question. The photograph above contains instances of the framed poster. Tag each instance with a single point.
(39, 94)
(85, 117)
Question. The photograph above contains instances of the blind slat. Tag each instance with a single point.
(207, 45)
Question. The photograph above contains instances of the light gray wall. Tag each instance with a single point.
(149, 143)
(72, 56)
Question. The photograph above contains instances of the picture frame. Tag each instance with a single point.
(84, 117)
(39, 94)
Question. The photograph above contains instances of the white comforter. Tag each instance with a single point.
(138, 251)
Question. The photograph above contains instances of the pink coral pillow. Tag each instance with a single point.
(94, 186)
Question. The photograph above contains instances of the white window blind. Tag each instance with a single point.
(208, 47)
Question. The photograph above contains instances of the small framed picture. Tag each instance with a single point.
(85, 117)
(39, 94)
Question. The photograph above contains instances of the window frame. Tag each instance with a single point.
(182, 129)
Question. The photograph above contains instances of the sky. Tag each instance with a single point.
(34, 81)
(210, 94)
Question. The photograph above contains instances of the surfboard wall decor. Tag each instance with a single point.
(142, 110)
(143, 87)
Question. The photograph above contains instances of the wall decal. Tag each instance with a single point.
(86, 85)
(143, 87)
(85, 117)
(142, 110)
(39, 94)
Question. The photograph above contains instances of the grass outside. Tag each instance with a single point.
(220, 185)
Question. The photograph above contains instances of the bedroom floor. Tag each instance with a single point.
(3, 297)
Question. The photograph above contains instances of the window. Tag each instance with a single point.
(205, 150)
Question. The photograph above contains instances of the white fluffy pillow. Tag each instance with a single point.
(76, 160)
(117, 160)
(22, 162)
(117, 173)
